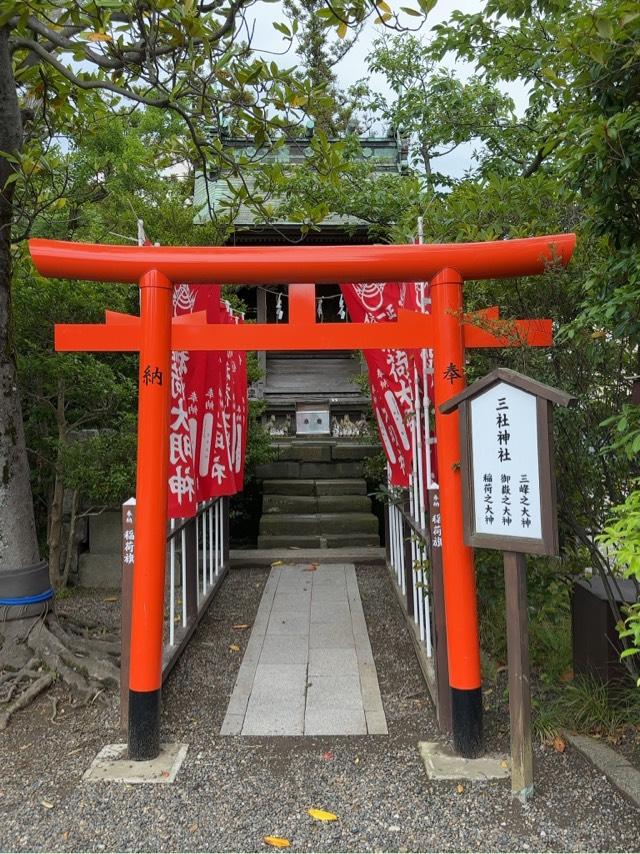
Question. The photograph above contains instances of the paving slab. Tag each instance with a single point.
(285, 649)
(336, 722)
(328, 693)
(335, 635)
(282, 623)
(112, 765)
(442, 764)
(308, 667)
(326, 662)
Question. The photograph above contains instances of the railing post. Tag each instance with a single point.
(191, 586)
(409, 551)
(128, 551)
(225, 531)
(387, 533)
(439, 622)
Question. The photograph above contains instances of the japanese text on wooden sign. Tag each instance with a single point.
(505, 469)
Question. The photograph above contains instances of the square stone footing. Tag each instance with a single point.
(113, 766)
(442, 764)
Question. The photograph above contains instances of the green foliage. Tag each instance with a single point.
(375, 470)
(430, 106)
(622, 534)
(587, 706)
(246, 506)
(581, 64)
(102, 467)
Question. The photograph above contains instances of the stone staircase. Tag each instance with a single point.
(314, 496)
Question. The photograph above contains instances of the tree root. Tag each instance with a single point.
(34, 653)
(26, 697)
(85, 645)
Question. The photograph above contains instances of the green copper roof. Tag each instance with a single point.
(219, 193)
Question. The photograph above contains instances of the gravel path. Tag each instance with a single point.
(231, 792)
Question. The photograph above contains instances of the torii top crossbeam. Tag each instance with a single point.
(323, 265)
(154, 334)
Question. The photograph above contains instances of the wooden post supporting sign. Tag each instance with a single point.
(515, 585)
(509, 503)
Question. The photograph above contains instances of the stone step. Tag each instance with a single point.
(306, 524)
(293, 470)
(316, 504)
(342, 553)
(345, 486)
(305, 452)
(350, 486)
(289, 504)
(344, 504)
(284, 543)
(339, 470)
(309, 451)
(289, 487)
(353, 451)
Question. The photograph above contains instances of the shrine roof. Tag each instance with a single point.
(387, 155)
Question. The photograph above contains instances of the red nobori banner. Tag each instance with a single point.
(390, 373)
(182, 475)
(417, 297)
(209, 408)
(222, 450)
(240, 409)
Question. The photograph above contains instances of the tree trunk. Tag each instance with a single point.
(57, 504)
(18, 541)
(71, 539)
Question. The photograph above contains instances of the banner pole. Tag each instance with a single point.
(154, 387)
(461, 607)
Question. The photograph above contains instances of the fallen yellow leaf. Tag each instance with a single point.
(459, 788)
(276, 563)
(322, 815)
(504, 764)
(277, 841)
(47, 805)
(234, 648)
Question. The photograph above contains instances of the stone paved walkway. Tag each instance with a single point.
(308, 668)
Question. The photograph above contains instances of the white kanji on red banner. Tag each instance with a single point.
(209, 407)
(390, 374)
(182, 480)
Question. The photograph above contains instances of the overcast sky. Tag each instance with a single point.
(353, 66)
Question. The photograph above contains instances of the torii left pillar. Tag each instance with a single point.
(147, 619)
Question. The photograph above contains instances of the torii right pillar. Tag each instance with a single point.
(460, 599)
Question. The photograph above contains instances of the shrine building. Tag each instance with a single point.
(315, 402)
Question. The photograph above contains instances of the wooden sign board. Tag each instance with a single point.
(509, 503)
(509, 497)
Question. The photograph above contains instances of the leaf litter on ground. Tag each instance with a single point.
(276, 841)
(322, 815)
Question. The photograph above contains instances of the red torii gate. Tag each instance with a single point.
(154, 335)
